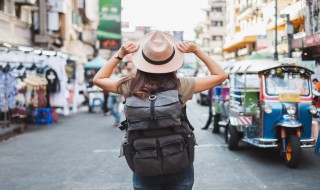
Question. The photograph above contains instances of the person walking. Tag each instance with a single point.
(114, 98)
(129, 69)
(105, 102)
(157, 57)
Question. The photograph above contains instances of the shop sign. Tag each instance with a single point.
(109, 29)
(298, 43)
(243, 51)
(229, 55)
(262, 42)
(299, 35)
(110, 44)
(312, 40)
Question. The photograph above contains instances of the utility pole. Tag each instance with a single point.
(42, 38)
(289, 30)
(276, 30)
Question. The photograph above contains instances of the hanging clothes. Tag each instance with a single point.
(53, 81)
(60, 99)
(8, 91)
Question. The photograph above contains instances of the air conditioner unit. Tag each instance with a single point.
(25, 2)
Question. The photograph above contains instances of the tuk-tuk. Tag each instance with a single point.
(220, 102)
(271, 106)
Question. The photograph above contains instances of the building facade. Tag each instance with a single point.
(15, 22)
(253, 27)
(246, 28)
(211, 32)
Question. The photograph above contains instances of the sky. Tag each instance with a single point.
(165, 15)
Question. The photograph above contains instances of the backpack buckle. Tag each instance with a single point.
(153, 117)
(152, 97)
(123, 125)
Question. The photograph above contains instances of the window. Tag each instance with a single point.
(216, 38)
(287, 83)
(247, 81)
(216, 9)
(217, 23)
(1, 5)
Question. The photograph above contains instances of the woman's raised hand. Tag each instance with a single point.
(187, 47)
(128, 47)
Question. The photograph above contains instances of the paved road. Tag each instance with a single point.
(81, 153)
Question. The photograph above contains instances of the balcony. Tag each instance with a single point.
(214, 44)
(295, 10)
(217, 31)
(13, 30)
(217, 15)
(297, 13)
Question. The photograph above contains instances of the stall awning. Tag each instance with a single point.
(95, 63)
(282, 25)
(238, 43)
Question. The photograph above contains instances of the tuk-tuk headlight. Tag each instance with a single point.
(291, 110)
(313, 110)
(267, 108)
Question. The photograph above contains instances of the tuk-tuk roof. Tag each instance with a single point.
(256, 66)
(252, 65)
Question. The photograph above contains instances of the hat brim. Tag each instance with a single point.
(173, 65)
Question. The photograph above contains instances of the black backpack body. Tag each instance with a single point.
(159, 138)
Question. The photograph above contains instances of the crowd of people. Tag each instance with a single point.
(112, 101)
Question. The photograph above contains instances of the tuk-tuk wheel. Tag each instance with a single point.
(232, 137)
(293, 151)
(90, 109)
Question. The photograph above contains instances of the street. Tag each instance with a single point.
(81, 153)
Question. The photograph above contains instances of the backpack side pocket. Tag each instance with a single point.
(128, 154)
(191, 144)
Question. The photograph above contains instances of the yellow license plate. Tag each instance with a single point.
(289, 97)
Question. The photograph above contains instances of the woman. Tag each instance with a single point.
(157, 56)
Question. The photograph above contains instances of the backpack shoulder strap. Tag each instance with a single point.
(185, 118)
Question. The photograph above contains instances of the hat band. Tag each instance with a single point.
(158, 62)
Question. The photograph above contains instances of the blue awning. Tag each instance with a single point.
(95, 63)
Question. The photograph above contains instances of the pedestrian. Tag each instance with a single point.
(129, 69)
(105, 102)
(316, 94)
(114, 98)
(157, 57)
(315, 91)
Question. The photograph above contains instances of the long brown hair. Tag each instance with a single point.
(144, 84)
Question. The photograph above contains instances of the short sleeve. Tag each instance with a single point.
(187, 86)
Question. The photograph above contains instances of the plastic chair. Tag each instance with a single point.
(100, 103)
(44, 115)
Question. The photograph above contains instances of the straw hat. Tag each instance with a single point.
(157, 53)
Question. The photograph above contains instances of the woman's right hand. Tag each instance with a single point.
(188, 47)
(127, 47)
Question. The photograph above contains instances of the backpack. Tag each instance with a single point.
(159, 139)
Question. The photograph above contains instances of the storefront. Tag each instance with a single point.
(34, 87)
(308, 48)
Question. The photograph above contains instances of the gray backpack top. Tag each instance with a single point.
(159, 138)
